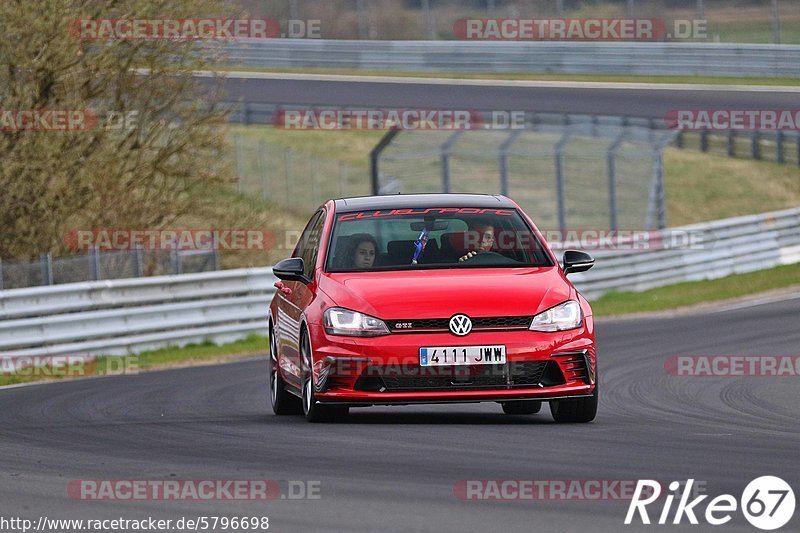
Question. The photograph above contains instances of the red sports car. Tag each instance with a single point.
(429, 298)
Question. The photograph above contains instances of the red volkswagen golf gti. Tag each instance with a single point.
(429, 298)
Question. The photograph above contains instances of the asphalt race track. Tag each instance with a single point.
(568, 97)
(395, 469)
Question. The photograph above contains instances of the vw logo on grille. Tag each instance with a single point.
(460, 325)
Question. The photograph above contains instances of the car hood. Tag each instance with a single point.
(443, 293)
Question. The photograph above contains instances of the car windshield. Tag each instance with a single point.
(425, 238)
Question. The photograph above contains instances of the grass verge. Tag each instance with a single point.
(692, 293)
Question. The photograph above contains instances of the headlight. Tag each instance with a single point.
(340, 321)
(559, 318)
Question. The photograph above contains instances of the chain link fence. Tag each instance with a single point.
(744, 21)
(99, 265)
(297, 181)
(570, 172)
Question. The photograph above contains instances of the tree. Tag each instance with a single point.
(152, 135)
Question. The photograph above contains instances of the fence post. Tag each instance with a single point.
(94, 263)
(561, 196)
(630, 8)
(238, 151)
(756, 145)
(560, 7)
(315, 179)
(1, 274)
(426, 12)
(612, 180)
(214, 252)
(46, 262)
(374, 159)
(287, 170)
(776, 22)
(176, 259)
(136, 262)
(504, 149)
(262, 164)
(343, 179)
(779, 155)
(704, 140)
(363, 29)
(445, 149)
(731, 142)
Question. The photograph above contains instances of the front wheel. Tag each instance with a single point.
(283, 402)
(580, 410)
(314, 411)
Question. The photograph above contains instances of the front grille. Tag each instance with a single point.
(443, 324)
(514, 374)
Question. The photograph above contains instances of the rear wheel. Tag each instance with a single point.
(315, 412)
(283, 402)
(521, 407)
(579, 410)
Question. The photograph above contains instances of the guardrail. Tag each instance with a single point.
(117, 317)
(708, 59)
(128, 316)
(729, 246)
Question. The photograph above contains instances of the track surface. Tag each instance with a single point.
(394, 469)
(642, 102)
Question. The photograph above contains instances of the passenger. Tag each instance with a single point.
(361, 250)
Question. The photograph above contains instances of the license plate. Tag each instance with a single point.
(462, 355)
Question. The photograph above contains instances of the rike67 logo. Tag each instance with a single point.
(767, 502)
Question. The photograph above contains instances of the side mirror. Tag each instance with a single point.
(575, 261)
(290, 269)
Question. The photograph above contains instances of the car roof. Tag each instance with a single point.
(400, 201)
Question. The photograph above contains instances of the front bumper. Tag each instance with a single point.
(385, 370)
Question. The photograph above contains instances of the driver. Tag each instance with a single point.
(485, 234)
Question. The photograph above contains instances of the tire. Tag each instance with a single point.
(521, 407)
(282, 401)
(313, 411)
(581, 410)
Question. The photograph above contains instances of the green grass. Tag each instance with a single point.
(150, 360)
(696, 292)
(536, 76)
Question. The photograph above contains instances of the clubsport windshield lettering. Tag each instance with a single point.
(426, 238)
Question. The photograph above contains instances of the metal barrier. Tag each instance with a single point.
(128, 316)
(706, 59)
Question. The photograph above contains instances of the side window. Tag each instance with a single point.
(308, 247)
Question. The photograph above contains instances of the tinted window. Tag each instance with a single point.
(392, 239)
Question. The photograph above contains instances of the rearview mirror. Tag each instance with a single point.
(290, 270)
(575, 261)
(439, 225)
